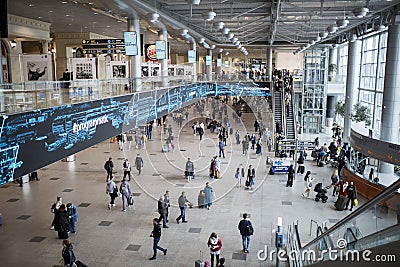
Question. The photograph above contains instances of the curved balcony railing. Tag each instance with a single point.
(19, 97)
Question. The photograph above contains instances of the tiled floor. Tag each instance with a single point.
(109, 237)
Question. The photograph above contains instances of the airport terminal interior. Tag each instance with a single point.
(282, 113)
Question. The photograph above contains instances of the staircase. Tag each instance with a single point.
(290, 127)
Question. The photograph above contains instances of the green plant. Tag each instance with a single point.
(361, 113)
(332, 67)
(339, 108)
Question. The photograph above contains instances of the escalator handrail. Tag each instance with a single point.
(296, 230)
(376, 200)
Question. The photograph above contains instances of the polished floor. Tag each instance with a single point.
(115, 238)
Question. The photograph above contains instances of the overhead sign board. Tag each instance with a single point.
(130, 39)
(192, 56)
(161, 52)
(208, 60)
(219, 62)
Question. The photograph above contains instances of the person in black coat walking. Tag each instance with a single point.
(290, 176)
(68, 254)
(62, 225)
(351, 195)
(156, 235)
(108, 166)
(246, 230)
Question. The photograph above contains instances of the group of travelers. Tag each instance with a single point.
(65, 218)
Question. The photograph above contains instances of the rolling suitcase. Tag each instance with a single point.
(340, 202)
(200, 262)
(80, 264)
(1, 220)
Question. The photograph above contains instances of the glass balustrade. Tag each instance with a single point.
(20, 97)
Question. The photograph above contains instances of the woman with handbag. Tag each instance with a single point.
(112, 190)
(308, 183)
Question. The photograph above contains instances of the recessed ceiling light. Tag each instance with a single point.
(31, 5)
(50, 11)
(94, 22)
(69, 24)
(90, 3)
(40, 17)
(67, 15)
(85, 27)
(64, 2)
(95, 13)
(108, 26)
(119, 21)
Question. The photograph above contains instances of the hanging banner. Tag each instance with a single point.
(161, 52)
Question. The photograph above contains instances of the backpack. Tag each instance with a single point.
(124, 189)
(248, 230)
(107, 166)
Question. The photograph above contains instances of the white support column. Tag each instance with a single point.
(163, 34)
(209, 68)
(353, 71)
(135, 62)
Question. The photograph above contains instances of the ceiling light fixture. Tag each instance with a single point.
(230, 36)
(212, 47)
(342, 23)
(323, 35)
(360, 12)
(317, 39)
(353, 38)
(13, 44)
(226, 30)
(221, 25)
(209, 15)
(184, 32)
(202, 40)
(221, 50)
(234, 40)
(193, 2)
(332, 29)
(227, 54)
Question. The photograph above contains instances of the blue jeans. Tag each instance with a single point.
(72, 224)
(221, 151)
(183, 214)
(246, 242)
(156, 246)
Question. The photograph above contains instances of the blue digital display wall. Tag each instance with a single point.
(34, 139)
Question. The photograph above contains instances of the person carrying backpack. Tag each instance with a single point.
(246, 230)
(108, 166)
(139, 163)
(125, 190)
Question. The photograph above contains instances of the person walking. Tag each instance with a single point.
(208, 196)
(245, 145)
(62, 224)
(251, 174)
(290, 176)
(269, 144)
(127, 169)
(156, 235)
(54, 209)
(300, 161)
(215, 245)
(108, 166)
(239, 175)
(139, 163)
(308, 183)
(246, 230)
(221, 149)
(73, 217)
(112, 190)
(125, 189)
(68, 254)
(168, 202)
(335, 182)
(237, 135)
(189, 170)
(351, 195)
(183, 203)
(162, 210)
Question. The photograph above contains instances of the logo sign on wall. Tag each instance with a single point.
(219, 62)
(208, 60)
(151, 54)
(130, 40)
(161, 50)
(192, 56)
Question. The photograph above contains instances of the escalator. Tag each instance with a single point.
(290, 125)
(369, 236)
(278, 111)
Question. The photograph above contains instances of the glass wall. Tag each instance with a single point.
(372, 76)
(342, 68)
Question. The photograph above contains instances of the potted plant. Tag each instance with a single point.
(361, 113)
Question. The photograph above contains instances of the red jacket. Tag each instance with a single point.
(215, 246)
(342, 191)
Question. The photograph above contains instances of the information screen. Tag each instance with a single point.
(130, 39)
(208, 60)
(161, 50)
(192, 56)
